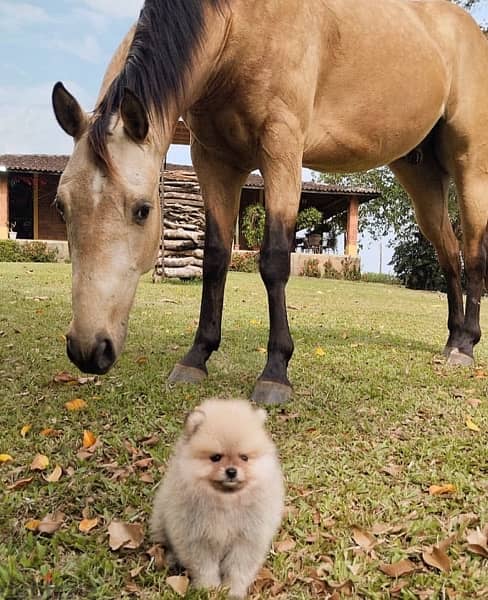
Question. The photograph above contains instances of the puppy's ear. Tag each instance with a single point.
(193, 421)
(262, 415)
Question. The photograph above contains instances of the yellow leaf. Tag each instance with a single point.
(76, 404)
(55, 475)
(471, 425)
(440, 490)
(32, 524)
(141, 360)
(88, 439)
(5, 458)
(261, 350)
(50, 432)
(87, 525)
(40, 462)
(25, 430)
(319, 351)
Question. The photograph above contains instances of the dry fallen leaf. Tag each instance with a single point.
(125, 535)
(474, 402)
(20, 483)
(51, 522)
(397, 569)
(478, 541)
(141, 360)
(76, 404)
(178, 583)
(87, 525)
(319, 351)
(40, 463)
(64, 377)
(440, 490)
(363, 538)
(25, 429)
(437, 558)
(32, 524)
(471, 425)
(55, 475)
(392, 469)
(285, 545)
(50, 432)
(5, 458)
(88, 439)
(146, 477)
(156, 552)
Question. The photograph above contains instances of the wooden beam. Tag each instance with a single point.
(35, 204)
(4, 220)
(352, 227)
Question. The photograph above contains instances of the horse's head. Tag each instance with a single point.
(113, 225)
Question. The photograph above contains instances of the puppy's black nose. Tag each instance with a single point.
(231, 472)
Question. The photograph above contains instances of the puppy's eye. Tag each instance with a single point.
(141, 212)
(216, 457)
(244, 457)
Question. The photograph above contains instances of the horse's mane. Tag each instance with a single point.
(167, 34)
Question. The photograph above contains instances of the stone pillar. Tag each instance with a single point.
(3, 206)
(352, 227)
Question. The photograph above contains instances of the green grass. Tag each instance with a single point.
(377, 395)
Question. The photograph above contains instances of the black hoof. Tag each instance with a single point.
(270, 392)
(184, 374)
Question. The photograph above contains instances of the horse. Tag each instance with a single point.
(334, 85)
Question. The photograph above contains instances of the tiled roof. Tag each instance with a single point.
(51, 163)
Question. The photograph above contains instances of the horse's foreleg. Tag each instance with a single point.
(221, 187)
(282, 180)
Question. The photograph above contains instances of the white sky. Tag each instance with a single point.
(43, 41)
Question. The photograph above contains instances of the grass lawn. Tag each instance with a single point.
(376, 419)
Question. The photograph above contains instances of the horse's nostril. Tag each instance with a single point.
(104, 355)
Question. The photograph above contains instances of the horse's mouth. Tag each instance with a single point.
(99, 361)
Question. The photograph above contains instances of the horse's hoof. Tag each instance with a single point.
(270, 392)
(183, 374)
(459, 359)
(447, 351)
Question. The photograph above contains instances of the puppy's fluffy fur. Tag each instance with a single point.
(221, 500)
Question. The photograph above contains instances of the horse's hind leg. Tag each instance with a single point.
(221, 188)
(427, 185)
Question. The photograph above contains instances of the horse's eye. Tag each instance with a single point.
(59, 206)
(216, 457)
(244, 457)
(141, 213)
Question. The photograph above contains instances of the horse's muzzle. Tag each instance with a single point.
(98, 360)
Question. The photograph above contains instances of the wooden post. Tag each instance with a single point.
(352, 227)
(3, 206)
(35, 204)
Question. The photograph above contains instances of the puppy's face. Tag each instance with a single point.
(226, 446)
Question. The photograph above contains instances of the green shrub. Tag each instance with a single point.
(12, 251)
(350, 269)
(253, 225)
(246, 262)
(311, 268)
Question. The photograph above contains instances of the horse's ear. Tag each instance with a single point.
(69, 113)
(134, 116)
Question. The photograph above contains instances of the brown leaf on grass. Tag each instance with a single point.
(39, 463)
(88, 453)
(125, 535)
(437, 558)
(132, 449)
(141, 360)
(146, 478)
(55, 476)
(264, 581)
(178, 583)
(64, 377)
(87, 525)
(441, 490)
(51, 522)
(143, 463)
(363, 538)
(392, 470)
(285, 545)
(478, 541)
(156, 553)
(50, 432)
(473, 402)
(381, 528)
(25, 429)
(151, 440)
(136, 570)
(76, 404)
(5, 458)
(88, 438)
(32, 524)
(20, 483)
(463, 520)
(399, 568)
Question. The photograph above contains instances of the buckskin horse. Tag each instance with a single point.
(335, 85)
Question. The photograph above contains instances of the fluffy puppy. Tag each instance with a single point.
(221, 500)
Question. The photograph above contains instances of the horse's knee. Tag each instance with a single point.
(274, 265)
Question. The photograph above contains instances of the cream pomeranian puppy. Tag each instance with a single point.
(221, 500)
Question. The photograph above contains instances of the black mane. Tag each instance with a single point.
(167, 34)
